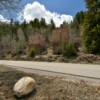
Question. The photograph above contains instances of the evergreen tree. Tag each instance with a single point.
(52, 25)
(43, 23)
(91, 35)
(78, 22)
(36, 23)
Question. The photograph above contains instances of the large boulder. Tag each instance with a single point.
(24, 86)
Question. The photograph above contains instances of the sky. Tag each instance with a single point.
(58, 10)
(70, 7)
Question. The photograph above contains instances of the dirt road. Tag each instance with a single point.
(83, 70)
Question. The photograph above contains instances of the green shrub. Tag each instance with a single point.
(69, 50)
(32, 52)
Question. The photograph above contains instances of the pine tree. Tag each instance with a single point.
(91, 35)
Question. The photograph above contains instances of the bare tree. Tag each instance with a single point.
(8, 4)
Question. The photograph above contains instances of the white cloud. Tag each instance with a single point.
(37, 10)
(2, 19)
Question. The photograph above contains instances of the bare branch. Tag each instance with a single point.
(11, 4)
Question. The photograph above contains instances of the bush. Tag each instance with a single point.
(32, 52)
(69, 50)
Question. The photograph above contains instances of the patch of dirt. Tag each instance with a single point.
(87, 58)
(48, 88)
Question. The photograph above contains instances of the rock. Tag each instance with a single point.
(61, 59)
(24, 86)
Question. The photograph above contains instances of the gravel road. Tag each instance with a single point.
(81, 70)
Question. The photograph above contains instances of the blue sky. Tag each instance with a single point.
(58, 10)
(70, 7)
